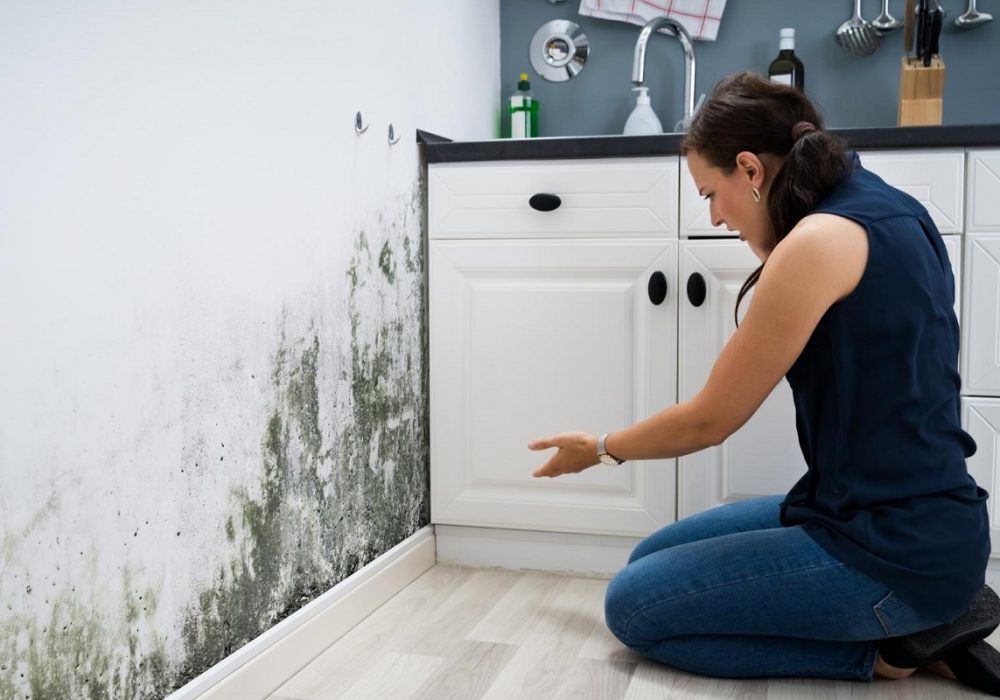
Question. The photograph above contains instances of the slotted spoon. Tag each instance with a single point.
(856, 35)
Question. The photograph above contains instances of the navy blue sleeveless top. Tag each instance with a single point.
(877, 407)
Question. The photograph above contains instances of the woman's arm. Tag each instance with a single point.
(820, 262)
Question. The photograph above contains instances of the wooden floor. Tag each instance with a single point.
(474, 633)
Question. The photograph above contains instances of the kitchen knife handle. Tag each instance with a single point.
(936, 21)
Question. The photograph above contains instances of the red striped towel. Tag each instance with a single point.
(700, 18)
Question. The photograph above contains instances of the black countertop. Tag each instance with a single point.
(438, 149)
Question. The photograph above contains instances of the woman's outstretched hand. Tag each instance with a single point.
(577, 451)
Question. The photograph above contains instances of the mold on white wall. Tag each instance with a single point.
(213, 378)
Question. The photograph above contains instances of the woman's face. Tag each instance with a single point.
(731, 200)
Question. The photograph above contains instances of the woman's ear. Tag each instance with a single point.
(752, 166)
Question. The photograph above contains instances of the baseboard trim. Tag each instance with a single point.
(262, 666)
(600, 556)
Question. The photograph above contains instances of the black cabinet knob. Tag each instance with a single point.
(657, 288)
(696, 289)
(544, 202)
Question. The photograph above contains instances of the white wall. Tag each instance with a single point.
(212, 391)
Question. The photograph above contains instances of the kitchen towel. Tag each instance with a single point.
(700, 18)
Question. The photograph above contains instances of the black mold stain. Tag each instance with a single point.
(78, 653)
(326, 506)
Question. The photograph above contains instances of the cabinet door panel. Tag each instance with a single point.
(980, 348)
(984, 191)
(981, 419)
(933, 178)
(953, 244)
(531, 338)
(763, 457)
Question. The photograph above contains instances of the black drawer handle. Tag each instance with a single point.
(545, 202)
(657, 288)
(696, 289)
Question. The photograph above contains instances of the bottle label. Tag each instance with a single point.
(519, 124)
(783, 78)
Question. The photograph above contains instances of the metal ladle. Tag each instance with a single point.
(856, 35)
(971, 18)
(885, 22)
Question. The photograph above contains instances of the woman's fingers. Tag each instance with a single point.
(541, 444)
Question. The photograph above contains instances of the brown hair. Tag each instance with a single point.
(747, 112)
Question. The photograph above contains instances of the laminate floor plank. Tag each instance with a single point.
(350, 657)
(468, 674)
(396, 676)
(471, 634)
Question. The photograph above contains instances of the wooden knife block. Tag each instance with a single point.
(921, 89)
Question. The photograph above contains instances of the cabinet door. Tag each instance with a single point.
(953, 244)
(529, 338)
(763, 457)
(980, 353)
(981, 419)
(984, 191)
(933, 178)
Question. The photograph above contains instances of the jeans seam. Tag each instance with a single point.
(721, 585)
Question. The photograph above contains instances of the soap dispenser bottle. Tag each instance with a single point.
(643, 119)
(523, 110)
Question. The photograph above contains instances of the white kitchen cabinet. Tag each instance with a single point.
(762, 457)
(980, 347)
(533, 332)
(981, 419)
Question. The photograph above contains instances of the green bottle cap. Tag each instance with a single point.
(524, 84)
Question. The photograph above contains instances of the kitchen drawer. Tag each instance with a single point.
(694, 215)
(933, 178)
(984, 191)
(631, 196)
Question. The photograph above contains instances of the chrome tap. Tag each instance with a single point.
(639, 61)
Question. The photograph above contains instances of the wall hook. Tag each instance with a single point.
(358, 127)
(393, 139)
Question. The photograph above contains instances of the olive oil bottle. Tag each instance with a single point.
(787, 68)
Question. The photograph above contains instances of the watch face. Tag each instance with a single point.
(608, 459)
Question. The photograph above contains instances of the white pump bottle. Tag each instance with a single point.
(643, 120)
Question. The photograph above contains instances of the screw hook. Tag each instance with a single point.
(393, 139)
(358, 127)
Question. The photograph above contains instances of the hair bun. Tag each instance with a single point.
(802, 128)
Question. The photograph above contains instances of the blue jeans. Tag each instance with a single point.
(731, 593)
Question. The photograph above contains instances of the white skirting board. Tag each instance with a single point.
(600, 556)
(259, 668)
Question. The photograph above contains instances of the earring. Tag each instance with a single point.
(756, 194)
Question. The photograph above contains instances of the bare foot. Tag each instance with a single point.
(941, 668)
(884, 670)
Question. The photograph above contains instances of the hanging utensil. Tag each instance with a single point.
(885, 22)
(856, 35)
(972, 18)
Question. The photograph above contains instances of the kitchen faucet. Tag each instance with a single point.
(639, 61)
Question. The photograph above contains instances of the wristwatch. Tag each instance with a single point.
(602, 453)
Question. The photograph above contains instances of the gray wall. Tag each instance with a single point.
(850, 90)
